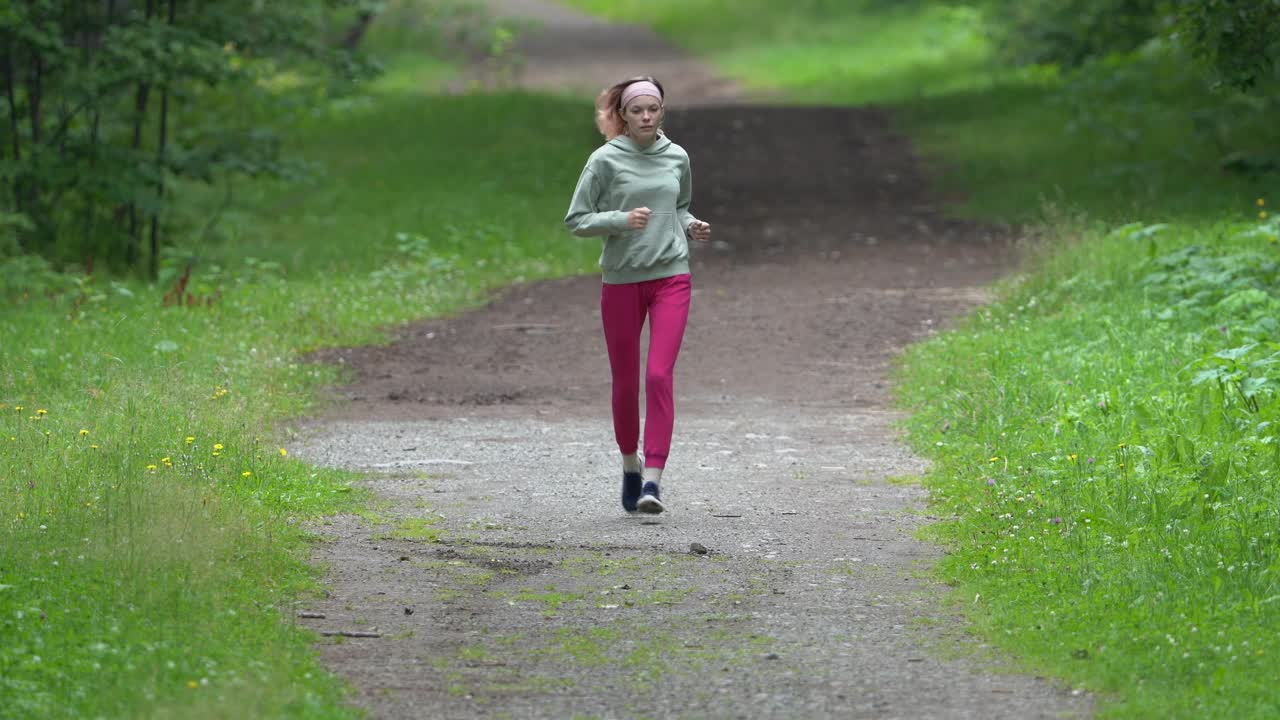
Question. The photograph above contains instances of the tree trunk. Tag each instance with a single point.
(95, 123)
(35, 92)
(164, 127)
(356, 33)
(9, 83)
(139, 117)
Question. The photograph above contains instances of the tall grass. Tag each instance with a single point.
(1105, 438)
(152, 542)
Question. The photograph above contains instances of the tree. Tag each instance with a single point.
(106, 102)
(1069, 33)
(1240, 39)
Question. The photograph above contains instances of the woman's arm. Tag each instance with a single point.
(686, 196)
(583, 218)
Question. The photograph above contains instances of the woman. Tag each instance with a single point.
(635, 191)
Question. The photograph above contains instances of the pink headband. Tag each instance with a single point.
(638, 88)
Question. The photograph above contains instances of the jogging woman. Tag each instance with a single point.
(635, 192)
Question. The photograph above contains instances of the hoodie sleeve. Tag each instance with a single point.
(686, 196)
(584, 219)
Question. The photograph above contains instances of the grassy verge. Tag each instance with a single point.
(151, 541)
(1104, 436)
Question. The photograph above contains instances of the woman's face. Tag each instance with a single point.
(643, 115)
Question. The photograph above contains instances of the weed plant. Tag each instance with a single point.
(1107, 444)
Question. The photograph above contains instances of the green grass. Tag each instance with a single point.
(860, 50)
(1143, 140)
(417, 528)
(151, 531)
(1111, 458)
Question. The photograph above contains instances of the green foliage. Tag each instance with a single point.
(1106, 442)
(105, 105)
(1071, 32)
(1239, 38)
(1142, 137)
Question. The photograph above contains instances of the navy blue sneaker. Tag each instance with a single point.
(631, 482)
(649, 500)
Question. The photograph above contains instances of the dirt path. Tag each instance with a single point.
(501, 575)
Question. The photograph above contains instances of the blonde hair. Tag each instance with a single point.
(609, 107)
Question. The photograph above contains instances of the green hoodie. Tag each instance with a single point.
(619, 177)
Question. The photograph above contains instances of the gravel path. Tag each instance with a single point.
(499, 574)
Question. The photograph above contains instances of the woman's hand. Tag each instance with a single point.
(638, 219)
(700, 231)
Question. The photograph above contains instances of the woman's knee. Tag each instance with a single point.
(657, 381)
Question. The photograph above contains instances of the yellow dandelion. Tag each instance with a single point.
(21, 514)
(246, 473)
(93, 447)
(193, 684)
(217, 446)
(190, 439)
(42, 411)
(284, 453)
(151, 468)
(1262, 215)
(1072, 457)
(994, 458)
(83, 432)
(1123, 445)
(17, 408)
(1262, 202)
(216, 453)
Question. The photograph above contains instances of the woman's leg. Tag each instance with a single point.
(622, 310)
(668, 316)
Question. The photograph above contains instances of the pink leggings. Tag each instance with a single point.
(623, 309)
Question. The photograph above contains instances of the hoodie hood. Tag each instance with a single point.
(625, 143)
